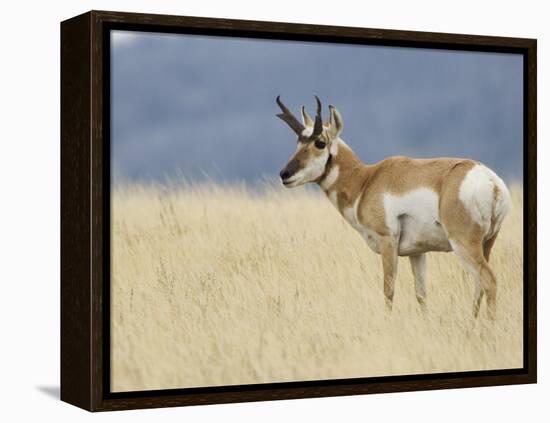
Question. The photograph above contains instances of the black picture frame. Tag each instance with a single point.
(85, 210)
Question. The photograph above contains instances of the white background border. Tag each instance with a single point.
(29, 175)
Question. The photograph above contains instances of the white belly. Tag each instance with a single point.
(419, 236)
(413, 218)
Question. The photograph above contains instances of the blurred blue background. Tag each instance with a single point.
(205, 106)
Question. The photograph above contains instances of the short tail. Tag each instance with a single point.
(501, 203)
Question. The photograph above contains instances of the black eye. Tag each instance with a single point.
(320, 144)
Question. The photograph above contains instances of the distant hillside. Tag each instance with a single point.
(205, 105)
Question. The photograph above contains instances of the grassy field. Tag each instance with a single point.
(215, 285)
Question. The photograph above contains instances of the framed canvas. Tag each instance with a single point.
(261, 210)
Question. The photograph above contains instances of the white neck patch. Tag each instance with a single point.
(330, 178)
(334, 146)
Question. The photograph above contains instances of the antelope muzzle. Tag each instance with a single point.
(289, 171)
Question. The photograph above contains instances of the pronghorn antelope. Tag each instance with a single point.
(403, 206)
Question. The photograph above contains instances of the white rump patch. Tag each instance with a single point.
(477, 193)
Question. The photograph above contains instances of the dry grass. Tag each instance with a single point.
(220, 285)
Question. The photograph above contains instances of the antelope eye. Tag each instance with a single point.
(320, 144)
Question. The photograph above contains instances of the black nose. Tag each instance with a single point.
(284, 174)
(290, 169)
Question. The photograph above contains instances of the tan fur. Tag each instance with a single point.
(398, 175)
(359, 191)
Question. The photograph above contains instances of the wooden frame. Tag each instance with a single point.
(85, 211)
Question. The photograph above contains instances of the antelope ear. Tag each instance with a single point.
(336, 124)
(308, 122)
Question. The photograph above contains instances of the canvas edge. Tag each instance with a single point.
(76, 301)
(82, 322)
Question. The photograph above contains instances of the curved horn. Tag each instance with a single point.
(306, 118)
(318, 126)
(289, 118)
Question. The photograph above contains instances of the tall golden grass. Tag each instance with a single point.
(217, 285)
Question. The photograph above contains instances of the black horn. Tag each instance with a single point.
(289, 118)
(318, 126)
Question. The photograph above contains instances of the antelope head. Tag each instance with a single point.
(314, 145)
